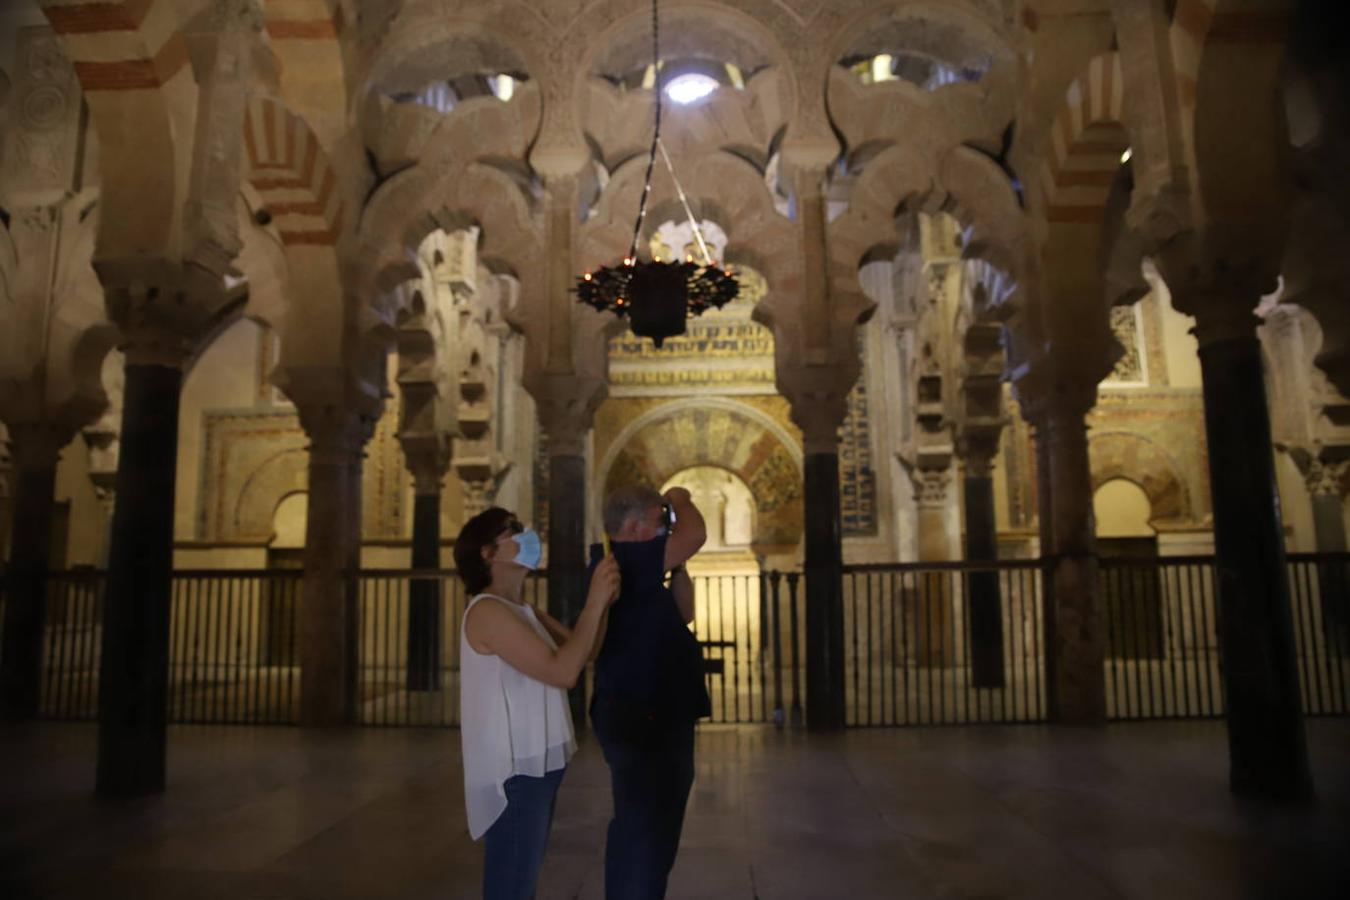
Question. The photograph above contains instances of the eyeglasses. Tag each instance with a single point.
(513, 526)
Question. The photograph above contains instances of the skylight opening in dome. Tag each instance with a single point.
(503, 86)
(690, 87)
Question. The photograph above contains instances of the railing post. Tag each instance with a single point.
(775, 579)
(794, 578)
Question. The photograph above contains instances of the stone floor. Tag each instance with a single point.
(1138, 810)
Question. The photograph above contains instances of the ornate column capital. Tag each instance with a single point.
(163, 310)
(977, 448)
(428, 460)
(820, 418)
(1046, 396)
(37, 445)
(932, 487)
(566, 406)
(1220, 285)
(336, 435)
(1326, 478)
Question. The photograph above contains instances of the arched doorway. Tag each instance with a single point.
(719, 435)
(277, 637)
(1132, 593)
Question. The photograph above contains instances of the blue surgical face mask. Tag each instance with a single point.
(529, 551)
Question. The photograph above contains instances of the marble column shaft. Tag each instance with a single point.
(933, 620)
(424, 596)
(1077, 677)
(566, 547)
(824, 594)
(986, 607)
(1266, 741)
(328, 606)
(35, 452)
(134, 669)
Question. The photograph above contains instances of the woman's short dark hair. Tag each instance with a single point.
(479, 532)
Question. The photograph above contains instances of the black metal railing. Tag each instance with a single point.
(1319, 588)
(408, 650)
(923, 643)
(943, 643)
(232, 646)
(1162, 645)
(748, 625)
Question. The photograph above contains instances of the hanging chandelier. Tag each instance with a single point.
(658, 297)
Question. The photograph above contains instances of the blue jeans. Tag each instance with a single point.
(513, 848)
(651, 788)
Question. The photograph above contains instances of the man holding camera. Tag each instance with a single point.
(649, 688)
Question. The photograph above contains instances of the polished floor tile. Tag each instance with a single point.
(977, 813)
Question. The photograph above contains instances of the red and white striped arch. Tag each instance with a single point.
(132, 64)
(1197, 23)
(1086, 141)
(291, 172)
(120, 45)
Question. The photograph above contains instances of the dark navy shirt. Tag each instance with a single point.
(650, 662)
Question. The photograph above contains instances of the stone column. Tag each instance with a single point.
(986, 608)
(134, 669)
(809, 198)
(1324, 480)
(932, 618)
(35, 451)
(566, 412)
(819, 418)
(424, 594)
(1077, 680)
(1266, 742)
(329, 623)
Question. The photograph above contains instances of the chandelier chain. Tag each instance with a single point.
(656, 135)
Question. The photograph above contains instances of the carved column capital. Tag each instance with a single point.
(337, 434)
(819, 416)
(932, 487)
(37, 445)
(1044, 398)
(163, 310)
(1325, 478)
(977, 449)
(567, 405)
(427, 461)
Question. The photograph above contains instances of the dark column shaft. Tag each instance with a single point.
(824, 595)
(1333, 576)
(29, 558)
(424, 598)
(567, 551)
(1328, 523)
(986, 614)
(1266, 743)
(328, 619)
(1079, 678)
(134, 671)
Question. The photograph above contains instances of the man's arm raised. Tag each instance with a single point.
(690, 530)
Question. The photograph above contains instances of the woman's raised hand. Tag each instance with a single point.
(604, 582)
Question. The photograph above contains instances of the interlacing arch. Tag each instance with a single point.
(291, 173)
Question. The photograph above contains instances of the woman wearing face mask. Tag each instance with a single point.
(516, 664)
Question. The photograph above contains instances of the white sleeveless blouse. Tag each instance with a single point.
(510, 723)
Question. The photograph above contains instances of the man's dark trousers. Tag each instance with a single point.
(651, 785)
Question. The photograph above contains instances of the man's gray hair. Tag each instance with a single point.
(626, 502)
